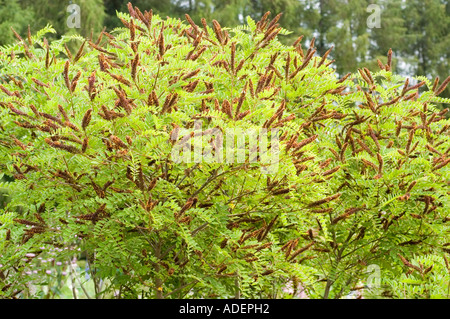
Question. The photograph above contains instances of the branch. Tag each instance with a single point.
(180, 288)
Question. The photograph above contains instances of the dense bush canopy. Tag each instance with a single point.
(361, 176)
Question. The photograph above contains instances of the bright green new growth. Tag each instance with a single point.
(362, 176)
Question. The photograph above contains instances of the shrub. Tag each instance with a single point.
(357, 175)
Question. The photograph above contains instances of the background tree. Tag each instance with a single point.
(428, 37)
(16, 16)
(417, 31)
(55, 13)
(392, 19)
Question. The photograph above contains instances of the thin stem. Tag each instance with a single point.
(180, 288)
(327, 289)
(237, 294)
(74, 291)
(79, 281)
(158, 280)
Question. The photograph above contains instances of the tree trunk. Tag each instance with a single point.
(327, 289)
(158, 280)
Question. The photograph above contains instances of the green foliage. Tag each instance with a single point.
(428, 277)
(362, 176)
(13, 15)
